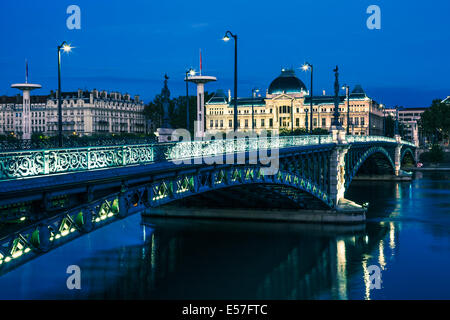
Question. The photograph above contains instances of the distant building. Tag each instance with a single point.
(83, 113)
(409, 117)
(286, 105)
(11, 114)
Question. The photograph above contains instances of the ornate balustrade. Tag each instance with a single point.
(352, 139)
(21, 164)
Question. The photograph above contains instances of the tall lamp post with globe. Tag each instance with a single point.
(66, 48)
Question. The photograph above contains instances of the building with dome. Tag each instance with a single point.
(286, 105)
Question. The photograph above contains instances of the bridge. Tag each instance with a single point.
(60, 194)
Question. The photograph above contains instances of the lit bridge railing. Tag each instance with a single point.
(353, 139)
(22, 164)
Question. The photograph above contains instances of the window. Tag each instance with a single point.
(297, 122)
(230, 123)
(262, 123)
(315, 122)
(217, 123)
(221, 123)
(271, 122)
(210, 123)
(324, 122)
(362, 121)
(246, 123)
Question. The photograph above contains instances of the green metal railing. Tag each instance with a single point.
(24, 164)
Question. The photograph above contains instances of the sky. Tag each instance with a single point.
(128, 46)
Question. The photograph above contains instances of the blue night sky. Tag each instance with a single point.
(127, 46)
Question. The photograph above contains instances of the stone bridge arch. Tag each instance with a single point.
(354, 162)
(407, 156)
(300, 191)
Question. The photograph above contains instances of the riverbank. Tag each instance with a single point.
(346, 213)
(429, 169)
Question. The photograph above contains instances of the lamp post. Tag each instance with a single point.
(190, 72)
(254, 90)
(305, 67)
(396, 121)
(66, 48)
(335, 123)
(306, 120)
(227, 36)
(347, 95)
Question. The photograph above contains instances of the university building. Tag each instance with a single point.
(286, 106)
(83, 113)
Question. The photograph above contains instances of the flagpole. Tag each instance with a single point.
(200, 61)
(26, 71)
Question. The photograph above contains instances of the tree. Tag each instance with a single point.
(435, 155)
(435, 121)
(320, 131)
(389, 124)
(295, 132)
(177, 111)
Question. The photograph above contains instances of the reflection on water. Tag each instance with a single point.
(407, 236)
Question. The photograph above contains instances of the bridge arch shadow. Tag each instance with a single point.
(374, 161)
(244, 187)
(407, 158)
(254, 196)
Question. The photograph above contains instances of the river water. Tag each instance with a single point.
(406, 238)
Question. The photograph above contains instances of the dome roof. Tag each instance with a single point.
(287, 82)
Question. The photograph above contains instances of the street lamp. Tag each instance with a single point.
(305, 67)
(396, 131)
(66, 48)
(335, 123)
(347, 95)
(254, 90)
(306, 120)
(190, 72)
(226, 38)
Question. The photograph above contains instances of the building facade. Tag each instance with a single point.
(409, 117)
(11, 109)
(83, 113)
(286, 106)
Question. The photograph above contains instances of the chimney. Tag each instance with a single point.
(324, 92)
(80, 93)
(229, 95)
(136, 98)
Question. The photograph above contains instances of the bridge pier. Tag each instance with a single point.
(337, 176)
(123, 203)
(337, 173)
(397, 155)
